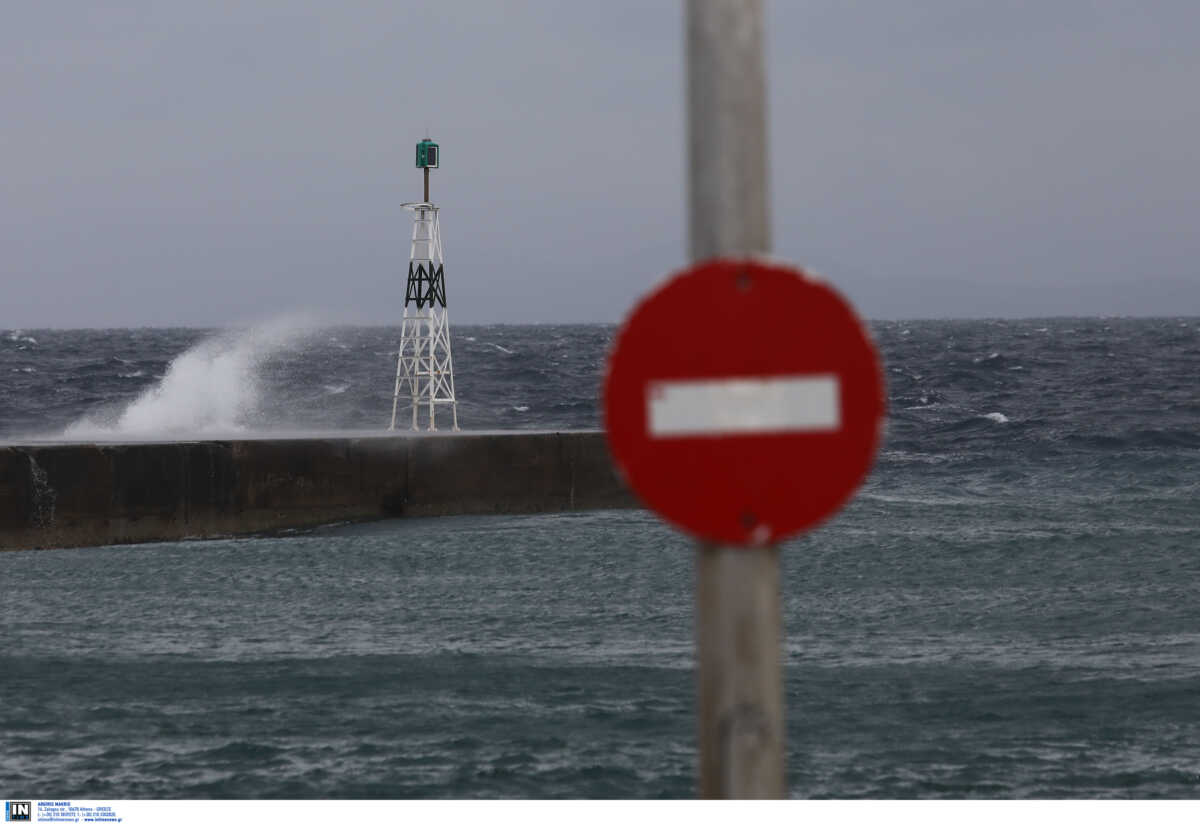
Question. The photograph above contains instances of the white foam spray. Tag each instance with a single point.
(211, 390)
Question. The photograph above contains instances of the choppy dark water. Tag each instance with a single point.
(1008, 609)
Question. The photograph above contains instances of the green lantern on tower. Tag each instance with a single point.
(427, 154)
(428, 157)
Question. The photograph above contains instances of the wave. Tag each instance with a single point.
(211, 389)
(1170, 438)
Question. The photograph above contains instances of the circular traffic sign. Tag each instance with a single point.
(743, 401)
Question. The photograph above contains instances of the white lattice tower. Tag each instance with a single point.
(424, 367)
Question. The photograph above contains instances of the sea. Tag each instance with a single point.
(1009, 608)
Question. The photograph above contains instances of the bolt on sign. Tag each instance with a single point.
(744, 401)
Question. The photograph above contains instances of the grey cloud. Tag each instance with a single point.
(210, 164)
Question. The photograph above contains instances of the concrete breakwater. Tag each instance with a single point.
(60, 495)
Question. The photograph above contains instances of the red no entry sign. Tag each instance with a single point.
(743, 401)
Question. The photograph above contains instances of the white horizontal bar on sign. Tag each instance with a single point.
(744, 406)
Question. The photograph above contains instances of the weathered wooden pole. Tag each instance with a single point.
(738, 620)
(727, 129)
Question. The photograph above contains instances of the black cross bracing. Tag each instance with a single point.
(425, 287)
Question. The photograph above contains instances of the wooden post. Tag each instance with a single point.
(740, 684)
(727, 129)
(738, 619)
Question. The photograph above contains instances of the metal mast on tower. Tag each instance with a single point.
(424, 368)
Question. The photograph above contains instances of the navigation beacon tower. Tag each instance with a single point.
(424, 369)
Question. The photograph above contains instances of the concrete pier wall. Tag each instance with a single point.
(59, 495)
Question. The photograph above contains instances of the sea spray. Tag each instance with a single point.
(212, 389)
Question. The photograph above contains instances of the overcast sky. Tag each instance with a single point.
(220, 162)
